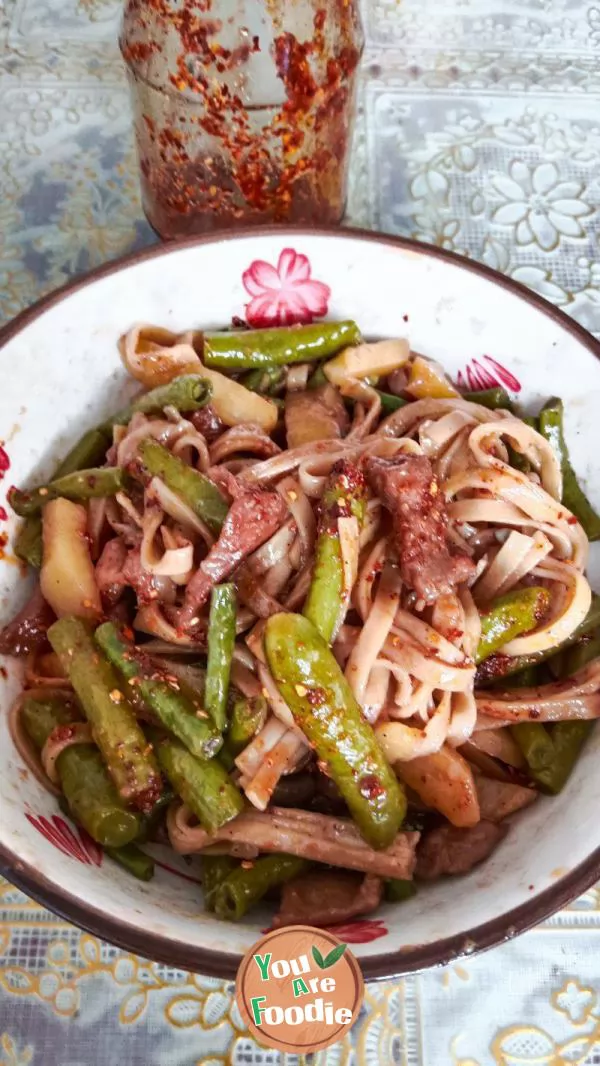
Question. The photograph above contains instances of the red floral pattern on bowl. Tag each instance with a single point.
(286, 294)
(73, 842)
(477, 376)
(360, 932)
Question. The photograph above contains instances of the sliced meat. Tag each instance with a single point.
(207, 422)
(449, 850)
(147, 587)
(408, 488)
(325, 897)
(499, 799)
(28, 630)
(253, 517)
(317, 414)
(110, 578)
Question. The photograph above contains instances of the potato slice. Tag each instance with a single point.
(367, 360)
(427, 381)
(67, 577)
(443, 781)
(234, 403)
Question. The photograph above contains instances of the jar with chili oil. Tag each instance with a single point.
(243, 109)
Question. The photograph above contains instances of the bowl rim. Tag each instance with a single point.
(384, 966)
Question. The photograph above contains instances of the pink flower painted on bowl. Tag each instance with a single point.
(284, 295)
(77, 844)
(493, 374)
(359, 932)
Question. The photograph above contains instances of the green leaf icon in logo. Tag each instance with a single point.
(316, 954)
(330, 959)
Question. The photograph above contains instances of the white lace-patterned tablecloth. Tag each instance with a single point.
(479, 130)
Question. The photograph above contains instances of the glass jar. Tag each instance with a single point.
(243, 109)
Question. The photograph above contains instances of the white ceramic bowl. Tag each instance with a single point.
(62, 374)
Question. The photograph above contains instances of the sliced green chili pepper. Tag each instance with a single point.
(245, 886)
(324, 707)
(492, 399)
(573, 497)
(186, 718)
(81, 485)
(90, 794)
(497, 666)
(509, 616)
(220, 642)
(258, 348)
(187, 393)
(344, 496)
(203, 784)
(215, 868)
(397, 891)
(134, 860)
(194, 488)
(121, 741)
(389, 402)
(267, 381)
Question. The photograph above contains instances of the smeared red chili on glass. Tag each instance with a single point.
(244, 111)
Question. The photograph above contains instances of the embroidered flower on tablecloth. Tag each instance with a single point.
(575, 1001)
(538, 206)
(285, 294)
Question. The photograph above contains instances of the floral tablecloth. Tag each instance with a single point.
(479, 129)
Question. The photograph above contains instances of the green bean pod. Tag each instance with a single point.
(268, 381)
(134, 860)
(573, 497)
(258, 348)
(567, 739)
(579, 655)
(203, 784)
(534, 741)
(323, 705)
(510, 615)
(248, 715)
(194, 488)
(28, 544)
(189, 392)
(389, 402)
(551, 752)
(183, 716)
(90, 450)
(344, 496)
(220, 642)
(90, 794)
(397, 891)
(80, 485)
(122, 743)
(492, 399)
(245, 886)
(215, 868)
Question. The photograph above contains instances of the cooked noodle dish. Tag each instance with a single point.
(308, 612)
